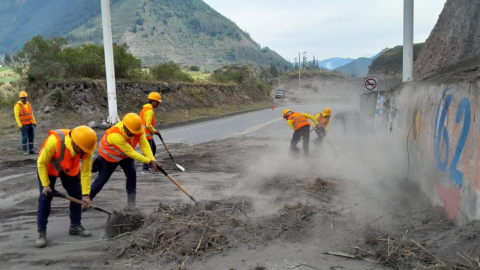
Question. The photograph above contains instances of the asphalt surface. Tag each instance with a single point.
(240, 124)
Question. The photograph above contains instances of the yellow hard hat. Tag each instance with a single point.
(326, 112)
(22, 94)
(133, 122)
(285, 112)
(85, 138)
(155, 96)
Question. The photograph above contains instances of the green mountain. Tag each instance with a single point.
(188, 32)
(390, 60)
(356, 68)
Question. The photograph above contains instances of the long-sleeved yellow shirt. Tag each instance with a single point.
(327, 126)
(148, 118)
(119, 141)
(308, 116)
(47, 154)
(17, 109)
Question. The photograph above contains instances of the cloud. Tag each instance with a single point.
(325, 28)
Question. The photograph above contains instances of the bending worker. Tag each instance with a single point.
(321, 129)
(26, 122)
(60, 156)
(299, 123)
(117, 147)
(148, 121)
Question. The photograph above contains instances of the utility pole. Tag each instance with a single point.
(408, 7)
(298, 71)
(109, 66)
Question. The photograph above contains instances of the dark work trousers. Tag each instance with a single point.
(153, 146)
(106, 170)
(321, 132)
(28, 134)
(303, 132)
(73, 187)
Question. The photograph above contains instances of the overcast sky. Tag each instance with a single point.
(328, 28)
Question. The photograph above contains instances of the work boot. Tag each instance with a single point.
(32, 152)
(131, 200)
(79, 230)
(42, 239)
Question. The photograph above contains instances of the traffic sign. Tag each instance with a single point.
(370, 84)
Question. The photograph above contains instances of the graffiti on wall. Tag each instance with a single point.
(448, 145)
(442, 137)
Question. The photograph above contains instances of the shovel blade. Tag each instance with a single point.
(180, 167)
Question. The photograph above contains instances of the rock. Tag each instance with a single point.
(104, 125)
(92, 124)
(48, 109)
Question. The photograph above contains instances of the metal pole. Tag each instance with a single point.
(109, 66)
(298, 71)
(408, 40)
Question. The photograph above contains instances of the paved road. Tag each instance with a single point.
(239, 124)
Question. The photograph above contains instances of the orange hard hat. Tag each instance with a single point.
(85, 138)
(133, 122)
(22, 94)
(286, 112)
(155, 96)
(326, 112)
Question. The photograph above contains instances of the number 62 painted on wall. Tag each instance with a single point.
(441, 132)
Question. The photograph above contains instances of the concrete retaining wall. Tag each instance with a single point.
(439, 117)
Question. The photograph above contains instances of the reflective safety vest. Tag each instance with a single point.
(299, 120)
(26, 113)
(322, 120)
(111, 152)
(148, 134)
(62, 160)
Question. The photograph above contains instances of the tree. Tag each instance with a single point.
(39, 58)
(8, 58)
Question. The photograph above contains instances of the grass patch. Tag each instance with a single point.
(198, 75)
(7, 75)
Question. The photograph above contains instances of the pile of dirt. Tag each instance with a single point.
(426, 243)
(183, 229)
(126, 220)
(177, 231)
(320, 185)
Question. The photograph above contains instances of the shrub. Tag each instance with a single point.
(194, 68)
(170, 71)
(58, 95)
(2, 83)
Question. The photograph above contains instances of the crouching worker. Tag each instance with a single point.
(60, 156)
(299, 123)
(323, 125)
(117, 148)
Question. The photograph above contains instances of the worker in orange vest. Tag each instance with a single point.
(117, 148)
(60, 156)
(26, 122)
(299, 123)
(148, 121)
(321, 129)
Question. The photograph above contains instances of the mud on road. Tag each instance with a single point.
(259, 208)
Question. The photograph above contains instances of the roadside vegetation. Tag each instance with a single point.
(390, 60)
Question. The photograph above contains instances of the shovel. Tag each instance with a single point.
(336, 148)
(178, 166)
(55, 193)
(177, 184)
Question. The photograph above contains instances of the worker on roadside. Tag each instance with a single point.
(299, 123)
(60, 156)
(323, 125)
(117, 147)
(148, 121)
(26, 122)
